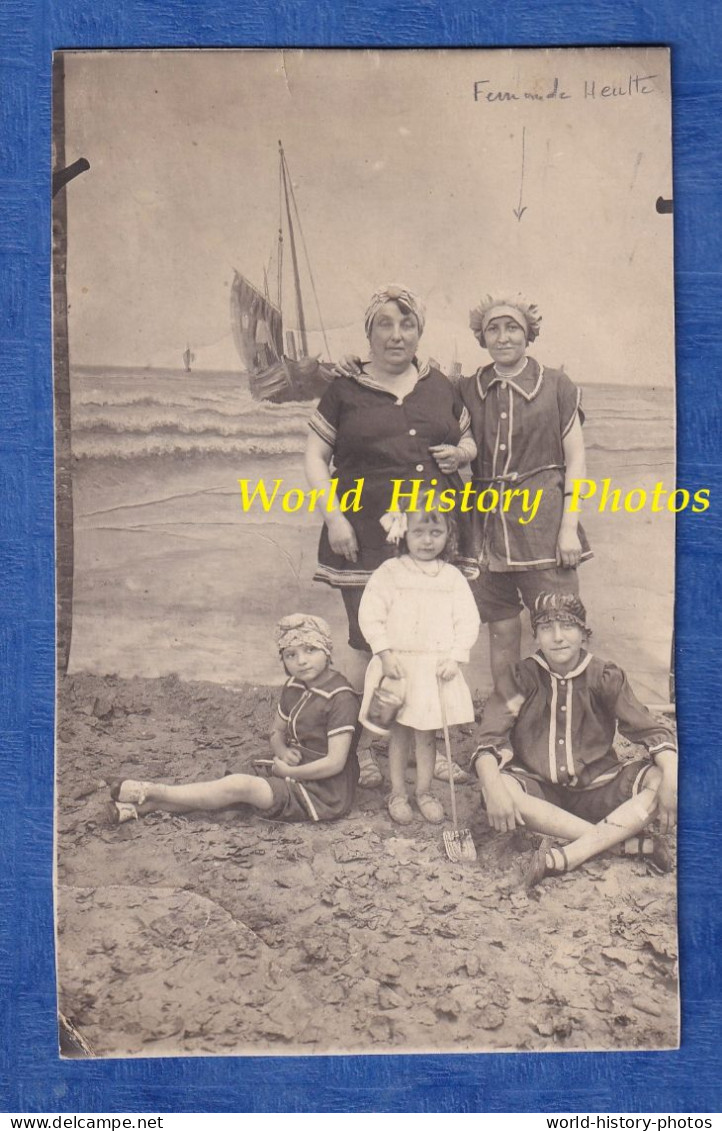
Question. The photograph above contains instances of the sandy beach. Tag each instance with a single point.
(226, 933)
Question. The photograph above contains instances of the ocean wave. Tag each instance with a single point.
(133, 445)
(622, 445)
(235, 405)
(196, 423)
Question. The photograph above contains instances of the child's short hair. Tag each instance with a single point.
(567, 607)
(433, 515)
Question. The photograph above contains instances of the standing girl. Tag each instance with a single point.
(419, 617)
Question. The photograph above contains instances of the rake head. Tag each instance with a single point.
(460, 847)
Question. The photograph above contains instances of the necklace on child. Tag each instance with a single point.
(508, 376)
(431, 571)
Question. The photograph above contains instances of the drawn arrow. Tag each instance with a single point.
(519, 211)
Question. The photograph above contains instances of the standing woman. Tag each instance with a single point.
(394, 419)
(527, 424)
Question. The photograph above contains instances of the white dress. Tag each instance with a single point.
(423, 618)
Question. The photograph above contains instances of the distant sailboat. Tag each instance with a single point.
(257, 324)
(188, 357)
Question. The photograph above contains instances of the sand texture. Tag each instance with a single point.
(226, 933)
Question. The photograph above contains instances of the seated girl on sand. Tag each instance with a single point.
(546, 758)
(314, 734)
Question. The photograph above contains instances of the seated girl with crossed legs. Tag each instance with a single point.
(546, 758)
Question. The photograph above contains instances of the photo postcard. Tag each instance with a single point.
(364, 402)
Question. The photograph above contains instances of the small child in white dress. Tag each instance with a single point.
(420, 619)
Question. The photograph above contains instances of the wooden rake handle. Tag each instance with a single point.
(447, 745)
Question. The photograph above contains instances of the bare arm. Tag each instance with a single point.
(502, 810)
(279, 748)
(326, 767)
(450, 457)
(317, 462)
(569, 548)
(341, 534)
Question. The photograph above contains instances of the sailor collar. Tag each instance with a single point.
(581, 666)
(324, 692)
(424, 369)
(488, 376)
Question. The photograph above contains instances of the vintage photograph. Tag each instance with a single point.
(365, 507)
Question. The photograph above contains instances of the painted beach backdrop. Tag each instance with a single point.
(171, 576)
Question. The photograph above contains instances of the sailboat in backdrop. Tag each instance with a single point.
(277, 371)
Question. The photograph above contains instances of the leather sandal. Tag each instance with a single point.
(129, 791)
(537, 867)
(121, 811)
(399, 809)
(651, 849)
(431, 809)
(441, 770)
(370, 775)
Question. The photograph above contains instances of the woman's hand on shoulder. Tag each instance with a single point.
(448, 457)
(348, 366)
(342, 536)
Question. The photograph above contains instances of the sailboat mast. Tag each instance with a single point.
(294, 257)
(279, 300)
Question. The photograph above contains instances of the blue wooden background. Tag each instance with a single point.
(32, 1078)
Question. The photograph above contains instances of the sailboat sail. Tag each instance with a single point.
(257, 326)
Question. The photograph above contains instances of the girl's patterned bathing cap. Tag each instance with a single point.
(549, 607)
(518, 308)
(303, 628)
(394, 293)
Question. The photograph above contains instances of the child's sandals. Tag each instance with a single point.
(129, 791)
(542, 864)
(441, 770)
(119, 812)
(370, 775)
(399, 809)
(651, 849)
(127, 796)
(431, 809)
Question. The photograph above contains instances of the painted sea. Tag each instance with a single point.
(171, 576)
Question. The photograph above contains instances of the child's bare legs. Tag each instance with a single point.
(235, 789)
(370, 775)
(585, 839)
(425, 759)
(399, 750)
(504, 644)
(544, 817)
(429, 807)
(629, 818)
